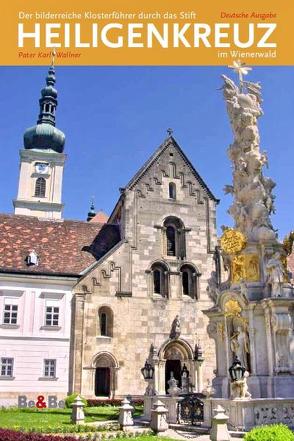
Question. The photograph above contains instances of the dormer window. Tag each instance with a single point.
(172, 190)
(32, 258)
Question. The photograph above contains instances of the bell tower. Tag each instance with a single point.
(42, 160)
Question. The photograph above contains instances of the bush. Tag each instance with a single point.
(273, 432)
(11, 435)
(70, 399)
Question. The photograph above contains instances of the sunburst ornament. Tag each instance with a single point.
(232, 241)
(232, 308)
(240, 69)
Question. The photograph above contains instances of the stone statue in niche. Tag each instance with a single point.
(173, 389)
(240, 345)
(185, 380)
(275, 274)
(175, 328)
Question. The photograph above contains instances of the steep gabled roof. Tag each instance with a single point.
(64, 247)
(166, 144)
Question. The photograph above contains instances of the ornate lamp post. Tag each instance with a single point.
(237, 371)
(147, 371)
(198, 357)
(239, 387)
(148, 374)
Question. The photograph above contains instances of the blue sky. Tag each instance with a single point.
(115, 117)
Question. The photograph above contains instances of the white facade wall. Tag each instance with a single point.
(30, 341)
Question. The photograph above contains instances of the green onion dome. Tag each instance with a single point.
(44, 135)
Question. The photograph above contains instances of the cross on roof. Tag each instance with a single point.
(241, 69)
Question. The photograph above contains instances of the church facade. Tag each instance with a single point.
(126, 302)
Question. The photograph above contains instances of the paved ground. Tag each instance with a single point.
(170, 433)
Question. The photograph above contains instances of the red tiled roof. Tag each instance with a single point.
(63, 247)
(100, 217)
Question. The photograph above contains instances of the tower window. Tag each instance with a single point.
(157, 281)
(190, 281)
(105, 317)
(103, 323)
(171, 240)
(40, 188)
(174, 243)
(160, 280)
(185, 283)
(172, 190)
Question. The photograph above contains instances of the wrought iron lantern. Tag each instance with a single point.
(198, 354)
(147, 371)
(237, 371)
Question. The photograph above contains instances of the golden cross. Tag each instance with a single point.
(241, 69)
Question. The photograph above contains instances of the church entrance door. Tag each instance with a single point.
(102, 382)
(175, 367)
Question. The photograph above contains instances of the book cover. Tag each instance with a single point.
(146, 222)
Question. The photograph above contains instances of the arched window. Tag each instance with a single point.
(171, 240)
(40, 187)
(160, 279)
(157, 281)
(174, 243)
(103, 323)
(190, 281)
(186, 282)
(172, 190)
(105, 319)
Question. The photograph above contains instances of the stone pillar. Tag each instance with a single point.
(156, 375)
(76, 370)
(199, 385)
(125, 418)
(281, 325)
(161, 377)
(77, 415)
(159, 417)
(251, 332)
(219, 430)
(269, 343)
